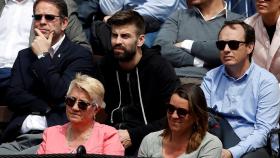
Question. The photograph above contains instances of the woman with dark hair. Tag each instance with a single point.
(186, 133)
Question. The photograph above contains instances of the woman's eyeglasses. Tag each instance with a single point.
(232, 44)
(181, 112)
(48, 17)
(71, 101)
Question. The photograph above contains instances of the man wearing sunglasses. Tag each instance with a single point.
(40, 77)
(187, 38)
(17, 33)
(241, 92)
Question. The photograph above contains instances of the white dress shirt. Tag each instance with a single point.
(16, 21)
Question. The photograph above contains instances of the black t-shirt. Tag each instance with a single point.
(270, 31)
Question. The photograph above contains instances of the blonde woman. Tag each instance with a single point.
(83, 101)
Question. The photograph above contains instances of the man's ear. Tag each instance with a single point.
(250, 48)
(64, 23)
(141, 40)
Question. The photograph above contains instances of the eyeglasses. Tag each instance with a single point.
(232, 44)
(71, 101)
(181, 112)
(48, 17)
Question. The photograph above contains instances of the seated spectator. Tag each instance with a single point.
(83, 101)
(40, 78)
(17, 33)
(245, 95)
(137, 80)
(187, 38)
(186, 132)
(154, 13)
(267, 26)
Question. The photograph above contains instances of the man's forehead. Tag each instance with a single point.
(232, 28)
(46, 7)
(124, 29)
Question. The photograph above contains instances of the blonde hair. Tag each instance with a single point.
(91, 86)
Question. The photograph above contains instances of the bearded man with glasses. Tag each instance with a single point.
(245, 95)
(40, 78)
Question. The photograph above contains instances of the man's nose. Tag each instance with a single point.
(227, 49)
(43, 20)
(118, 39)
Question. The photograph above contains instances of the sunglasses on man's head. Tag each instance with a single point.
(48, 17)
(232, 44)
(71, 101)
(181, 112)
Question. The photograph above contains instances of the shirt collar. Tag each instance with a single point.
(244, 76)
(55, 47)
(223, 12)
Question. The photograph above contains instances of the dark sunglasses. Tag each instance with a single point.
(71, 101)
(232, 44)
(48, 17)
(181, 112)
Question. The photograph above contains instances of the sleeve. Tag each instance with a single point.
(112, 143)
(110, 7)
(167, 37)
(42, 146)
(206, 87)
(56, 81)
(212, 149)
(53, 81)
(87, 10)
(74, 30)
(267, 116)
(212, 56)
(18, 96)
(145, 147)
(168, 82)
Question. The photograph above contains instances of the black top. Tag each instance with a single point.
(157, 82)
(270, 31)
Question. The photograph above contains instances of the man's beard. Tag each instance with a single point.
(127, 56)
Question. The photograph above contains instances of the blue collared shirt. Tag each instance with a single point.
(250, 104)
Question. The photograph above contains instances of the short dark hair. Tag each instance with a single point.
(198, 110)
(250, 37)
(249, 30)
(60, 4)
(125, 17)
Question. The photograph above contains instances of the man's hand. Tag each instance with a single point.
(226, 153)
(40, 43)
(125, 138)
(105, 19)
(179, 44)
